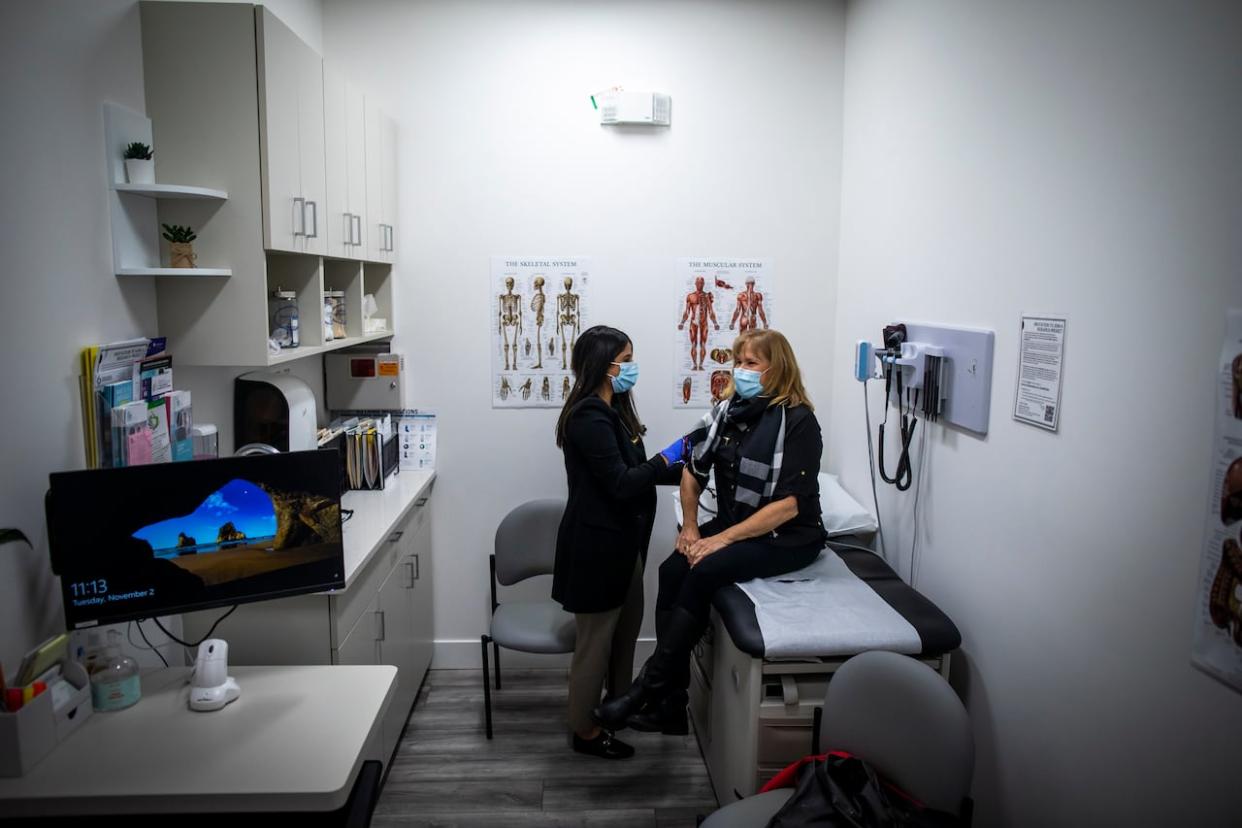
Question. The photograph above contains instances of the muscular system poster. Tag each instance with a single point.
(1218, 609)
(717, 298)
(539, 306)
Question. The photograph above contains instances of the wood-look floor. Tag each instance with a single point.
(446, 773)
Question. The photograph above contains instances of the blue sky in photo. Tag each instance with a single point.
(239, 501)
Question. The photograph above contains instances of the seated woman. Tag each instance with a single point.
(764, 443)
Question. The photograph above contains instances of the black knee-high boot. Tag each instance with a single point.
(668, 715)
(661, 676)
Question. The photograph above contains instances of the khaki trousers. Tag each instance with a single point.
(604, 652)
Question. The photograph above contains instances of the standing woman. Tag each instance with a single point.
(764, 444)
(601, 547)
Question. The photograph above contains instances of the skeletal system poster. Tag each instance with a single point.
(539, 307)
(1218, 610)
(716, 300)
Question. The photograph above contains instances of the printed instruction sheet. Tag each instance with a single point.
(1041, 359)
(416, 431)
(717, 298)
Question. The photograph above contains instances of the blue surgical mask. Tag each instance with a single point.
(747, 383)
(625, 380)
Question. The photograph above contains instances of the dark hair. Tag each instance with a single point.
(592, 356)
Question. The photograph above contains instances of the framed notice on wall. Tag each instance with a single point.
(1041, 357)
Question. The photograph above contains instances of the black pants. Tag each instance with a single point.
(691, 588)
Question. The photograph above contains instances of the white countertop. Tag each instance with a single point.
(375, 515)
(294, 740)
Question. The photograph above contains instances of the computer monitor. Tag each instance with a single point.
(167, 538)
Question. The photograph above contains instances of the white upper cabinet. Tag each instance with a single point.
(291, 135)
(338, 221)
(310, 138)
(376, 232)
(356, 142)
(381, 177)
(388, 160)
(345, 144)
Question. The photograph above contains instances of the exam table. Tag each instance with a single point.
(752, 701)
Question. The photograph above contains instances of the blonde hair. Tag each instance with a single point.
(783, 380)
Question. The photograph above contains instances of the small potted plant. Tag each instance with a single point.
(139, 168)
(180, 250)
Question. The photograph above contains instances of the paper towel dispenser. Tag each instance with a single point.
(275, 409)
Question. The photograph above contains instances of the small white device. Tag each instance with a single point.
(650, 108)
(212, 687)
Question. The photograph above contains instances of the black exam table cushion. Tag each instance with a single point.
(938, 633)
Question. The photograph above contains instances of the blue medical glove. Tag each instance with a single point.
(675, 452)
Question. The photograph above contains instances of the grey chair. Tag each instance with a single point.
(525, 547)
(899, 715)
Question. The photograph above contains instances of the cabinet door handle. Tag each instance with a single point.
(392, 239)
(422, 501)
(379, 625)
(356, 229)
(413, 569)
(396, 536)
(314, 234)
(417, 568)
(299, 216)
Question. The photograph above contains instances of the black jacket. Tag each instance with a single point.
(610, 511)
(804, 447)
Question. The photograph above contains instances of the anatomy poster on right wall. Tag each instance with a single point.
(1218, 612)
(717, 298)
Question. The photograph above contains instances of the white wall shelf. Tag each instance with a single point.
(133, 207)
(290, 354)
(171, 191)
(175, 271)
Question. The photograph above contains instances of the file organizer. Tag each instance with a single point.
(33, 731)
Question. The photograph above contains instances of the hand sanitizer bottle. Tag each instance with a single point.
(115, 684)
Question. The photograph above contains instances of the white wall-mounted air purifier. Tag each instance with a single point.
(649, 108)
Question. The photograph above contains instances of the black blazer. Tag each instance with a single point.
(610, 510)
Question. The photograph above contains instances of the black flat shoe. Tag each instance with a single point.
(605, 746)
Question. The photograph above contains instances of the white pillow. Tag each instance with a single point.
(843, 515)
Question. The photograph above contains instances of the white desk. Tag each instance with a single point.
(294, 741)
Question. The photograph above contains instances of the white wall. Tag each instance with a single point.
(1003, 158)
(60, 61)
(501, 153)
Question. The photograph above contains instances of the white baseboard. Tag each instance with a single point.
(466, 654)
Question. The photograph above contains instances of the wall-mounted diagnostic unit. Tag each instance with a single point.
(948, 370)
